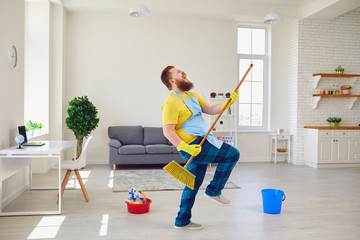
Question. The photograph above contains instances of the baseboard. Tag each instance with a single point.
(299, 163)
(98, 161)
(13, 196)
(332, 165)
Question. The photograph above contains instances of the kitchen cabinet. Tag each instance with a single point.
(334, 150)
(329, 148)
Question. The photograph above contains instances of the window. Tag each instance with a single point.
(36, 63)
(253, 91)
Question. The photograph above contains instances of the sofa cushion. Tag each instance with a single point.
(114, 143)
(131, 149)
(158, 149)
(154, 135)
(127, 134)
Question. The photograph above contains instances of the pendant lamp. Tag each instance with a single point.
(139, 10)
(273, 18)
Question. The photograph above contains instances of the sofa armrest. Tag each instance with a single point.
(115, 143)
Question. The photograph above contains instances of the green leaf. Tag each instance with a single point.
(82, 117)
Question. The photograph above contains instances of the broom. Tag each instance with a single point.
(181, 173)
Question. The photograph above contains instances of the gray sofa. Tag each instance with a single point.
(140, 145)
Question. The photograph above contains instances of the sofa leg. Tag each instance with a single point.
(114, 167)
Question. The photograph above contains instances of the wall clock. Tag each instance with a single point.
(12, 56)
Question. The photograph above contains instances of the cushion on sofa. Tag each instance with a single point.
(114, 143)
(154, 135)
(158, 149)
(131, 149)
(127, 135)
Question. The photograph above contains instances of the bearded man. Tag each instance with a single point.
(184, 127)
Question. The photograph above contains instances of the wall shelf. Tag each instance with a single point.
(226, 127)
(352, 98)
(317, 76)
(331, 95)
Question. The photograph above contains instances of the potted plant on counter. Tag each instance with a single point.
(334, 121)
(82, 119)
(339, 70)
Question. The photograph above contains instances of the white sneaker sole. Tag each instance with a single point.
(189, 228)
(217, 202)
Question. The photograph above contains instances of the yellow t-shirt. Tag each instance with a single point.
(174, 111)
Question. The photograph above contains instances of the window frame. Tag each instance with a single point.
(266, 83)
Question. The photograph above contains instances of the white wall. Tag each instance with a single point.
(322, 46)
(117, 60)
(11, 84)
(118, 67)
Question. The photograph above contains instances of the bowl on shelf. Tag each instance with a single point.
(281, 149)
(345, 89)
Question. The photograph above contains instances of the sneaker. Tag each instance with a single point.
(192, 226)
(219, 199)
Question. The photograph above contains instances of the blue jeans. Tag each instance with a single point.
(226, 157)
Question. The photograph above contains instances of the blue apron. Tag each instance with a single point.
(196, 125)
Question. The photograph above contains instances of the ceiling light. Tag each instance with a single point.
(139, 11)
(273, 18)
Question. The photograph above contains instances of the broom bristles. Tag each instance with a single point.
(181, 174)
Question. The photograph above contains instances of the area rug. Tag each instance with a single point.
(154, 180)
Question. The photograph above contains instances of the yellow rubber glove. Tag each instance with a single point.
(193, 149)
(233, 96)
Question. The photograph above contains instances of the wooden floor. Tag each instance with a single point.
(320, 204)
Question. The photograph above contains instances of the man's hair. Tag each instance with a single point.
(165, 76)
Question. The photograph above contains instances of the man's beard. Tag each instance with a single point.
(184, 85)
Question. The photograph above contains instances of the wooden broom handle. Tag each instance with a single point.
(227, 103)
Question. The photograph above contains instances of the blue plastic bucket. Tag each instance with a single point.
(272, 200)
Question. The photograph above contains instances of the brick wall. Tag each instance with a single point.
(320, 46)
(292, 84)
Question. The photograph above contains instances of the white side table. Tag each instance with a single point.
(277, 143)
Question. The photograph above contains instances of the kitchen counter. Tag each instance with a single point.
(335, 128)
(326, 146)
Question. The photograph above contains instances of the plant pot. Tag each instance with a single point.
(334, 124)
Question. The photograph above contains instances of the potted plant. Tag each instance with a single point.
(39, 126)
(334, 121)
(339, 70)
(82, 119)
(30, 127)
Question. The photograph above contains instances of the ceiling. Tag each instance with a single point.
(236, 10)
(289, 3)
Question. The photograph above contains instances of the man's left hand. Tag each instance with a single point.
(233, 96)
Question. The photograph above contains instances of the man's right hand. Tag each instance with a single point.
(193, 149)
